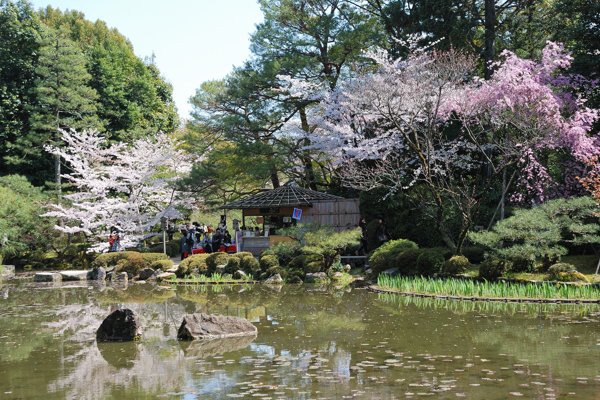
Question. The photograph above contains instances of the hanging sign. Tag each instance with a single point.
(297, 213)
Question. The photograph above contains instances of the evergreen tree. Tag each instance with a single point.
(64, 99)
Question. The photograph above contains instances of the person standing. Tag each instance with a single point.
(382, 233)
(183, 242)
(364, 243)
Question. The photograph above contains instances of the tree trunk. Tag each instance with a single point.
(309, 173)
(490, 35)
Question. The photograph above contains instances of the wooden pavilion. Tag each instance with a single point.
(276, 207)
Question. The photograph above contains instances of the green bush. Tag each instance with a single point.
(492, 269)
(215, 259)
(188, 265)
(385, 256)
(242, 254)
(108, 260)
(475, 254)
(173, 248)
(162, 264)
(274, 270)
(300, 261)
(456, 265)
(430, 262)
(407, 261)
(133, 264)
(571, 277)
(522, 263)
(310, 267)
(554, 270)
(250, 265)
(284, 251)
(444, 251)
(268, 261)
(233, 264)
(151, 257)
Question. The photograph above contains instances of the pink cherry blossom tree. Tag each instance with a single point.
(129, 187)
(427, 120)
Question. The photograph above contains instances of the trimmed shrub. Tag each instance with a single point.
(188, 265)
(314, 266)
(385, 256)
(300, 261)
(475, 254)
(133, 264)
(215, 259)
(407, 261)
(242, 254)
(571, 277)
(554, 270)
(162, 264)
(430, 262)
(151, 257)
(277, 270)
(456, 265)
(250, 265)
(269, 261)
(108, 260)
(492, 269)
(233, 264)
(173, 248)
(444, 251)
(522, 263)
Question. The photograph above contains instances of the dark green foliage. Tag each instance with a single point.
(456, 265)
(300, 261)
(162, 265)
(543, 231)
(173, 248)
(407, 261)
(314, 266)
(385, 256)
(285, 251)
(268, 261)
(191, 263)
(565, 273)
(108, 260)
(560, 267)
(522, 264)
(216, 259)
(128, 261)
(233, 264)
(475, 254)
(492, 269)
(430, 262)
(274, 270)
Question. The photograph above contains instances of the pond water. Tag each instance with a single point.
(314, 342)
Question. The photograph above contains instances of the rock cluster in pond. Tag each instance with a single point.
(209, 326)
(317, 277)
(120, 325)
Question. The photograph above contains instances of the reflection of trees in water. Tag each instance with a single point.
(135, 294)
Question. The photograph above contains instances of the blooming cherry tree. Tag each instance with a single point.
(129, 187)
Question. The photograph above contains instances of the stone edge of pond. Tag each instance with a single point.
(191, 283)
(377, 289)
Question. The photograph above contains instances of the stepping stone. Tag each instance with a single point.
(47, 277)
(74, 275)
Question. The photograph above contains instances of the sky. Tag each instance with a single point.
(193, 40)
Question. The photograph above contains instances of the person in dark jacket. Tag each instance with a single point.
(183, 243)
(364, 244)
(382, 233)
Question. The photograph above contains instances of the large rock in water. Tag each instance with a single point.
(209, 326)
(120, 325)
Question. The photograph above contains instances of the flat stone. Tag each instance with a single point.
(8, 271)
(337, 276)
(391, 271)
(275, 280)
(316, 277)
(74, 275)
(120, 325)
(209, 326)
(239, 274)
(121, 278)
(172, 270)
(164, 276)
(148, 274)
(47, 277)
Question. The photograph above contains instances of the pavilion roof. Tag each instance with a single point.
(283, 196)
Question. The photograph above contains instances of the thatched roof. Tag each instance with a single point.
(283, 196)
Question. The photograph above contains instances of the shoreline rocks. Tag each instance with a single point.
(209, 326)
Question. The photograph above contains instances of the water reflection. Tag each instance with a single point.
(313, 341)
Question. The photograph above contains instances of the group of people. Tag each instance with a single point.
(114, 240)
(382, 235)
(196, 236)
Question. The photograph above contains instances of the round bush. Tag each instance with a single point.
(269, 261)
(571, 277)
(407, 261)
(314, 266)
(556, 269)
(133, 264)
(429, 263)
(188, 265)
(277, 270)
(233, 265)
(215, 259)
(522, 264)
(162, 264)
(242, 254)
(151, 257)
(250, 265)
(300, 261)
(385, 256)
(456, 265)
(492, 269)
(108, 260)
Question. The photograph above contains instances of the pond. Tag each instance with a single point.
(314, 342)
